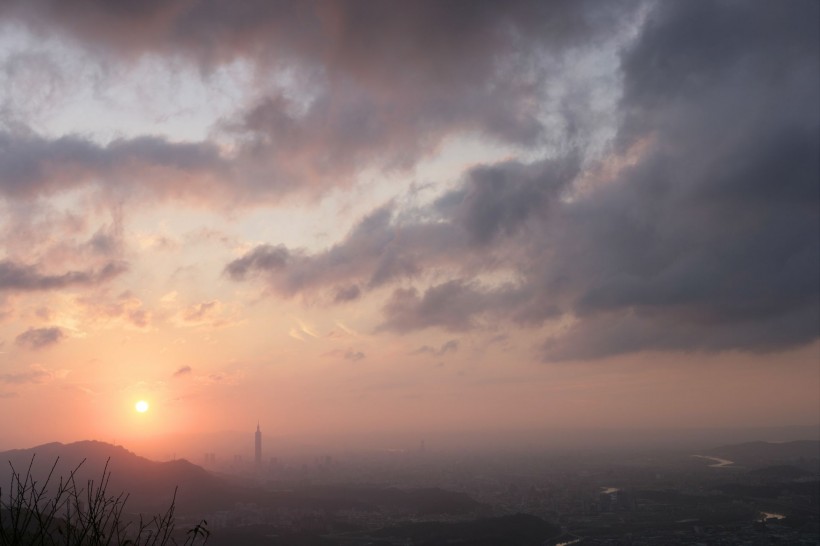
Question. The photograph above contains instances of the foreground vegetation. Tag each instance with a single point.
(60, 512)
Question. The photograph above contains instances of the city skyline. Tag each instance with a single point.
(374, 223)
(257, 447)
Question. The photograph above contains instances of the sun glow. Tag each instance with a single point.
(141, 406)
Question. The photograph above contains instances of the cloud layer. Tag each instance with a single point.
(374, 85)
(700, 231)
(661, 198)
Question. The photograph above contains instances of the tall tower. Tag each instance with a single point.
(258, 447)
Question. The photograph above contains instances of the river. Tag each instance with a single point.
(771, 515)
(719, 463)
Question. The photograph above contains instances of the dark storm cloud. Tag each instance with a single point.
(24, 278)
(711, 240)
(39, 338)
(637, 330)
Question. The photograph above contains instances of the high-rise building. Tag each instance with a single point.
(258, 447)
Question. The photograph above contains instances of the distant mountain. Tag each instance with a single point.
(782, 472)
(804, 454)
(149, 484)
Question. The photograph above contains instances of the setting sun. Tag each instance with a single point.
(141, 406)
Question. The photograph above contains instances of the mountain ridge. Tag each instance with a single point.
(150, 485)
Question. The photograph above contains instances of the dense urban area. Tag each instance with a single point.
(750, 493)
(755, 493)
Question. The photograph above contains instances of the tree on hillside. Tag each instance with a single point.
(59, 512)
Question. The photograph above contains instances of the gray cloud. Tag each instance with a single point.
(430, 41)
(19, 277)
(34, 166)
(455, 306)
(39, 338)
(711, 240)
(183, 371)
(379, 250)
(378, 84)
(499, 199)
(704, 238)
(447, 347)
(635, 330)
(355, 356)
(491, 205)
(262, 258)
(347, 293)
(347, 354)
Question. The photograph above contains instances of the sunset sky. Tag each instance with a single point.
(363, 217)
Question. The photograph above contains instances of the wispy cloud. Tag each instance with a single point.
(446, 347)
(36, 374)
(347, 354)
(183, 371)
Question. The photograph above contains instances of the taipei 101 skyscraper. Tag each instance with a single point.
(258, 447)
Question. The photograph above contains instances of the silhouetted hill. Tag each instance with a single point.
(149, 484)
(781, 472)
(758, 454)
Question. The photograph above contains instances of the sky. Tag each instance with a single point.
(355, 217)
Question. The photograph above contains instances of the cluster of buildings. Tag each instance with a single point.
(210, 461)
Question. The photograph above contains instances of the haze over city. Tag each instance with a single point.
(376, 223)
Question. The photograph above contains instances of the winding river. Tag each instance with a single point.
(718, 462)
